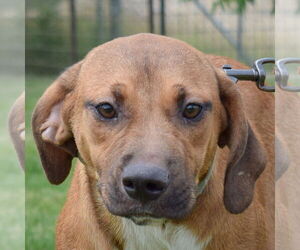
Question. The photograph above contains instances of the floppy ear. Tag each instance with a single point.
(51, 126)
(247, 158)
(16, 124)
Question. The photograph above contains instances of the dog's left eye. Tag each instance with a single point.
(192, 110)
(106, 110)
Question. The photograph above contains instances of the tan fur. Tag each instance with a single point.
(17, 127)
(85, 222)
(287, 186)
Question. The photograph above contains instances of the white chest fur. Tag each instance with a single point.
(155, 237)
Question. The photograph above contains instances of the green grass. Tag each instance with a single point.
(43, 200)
(12, 185)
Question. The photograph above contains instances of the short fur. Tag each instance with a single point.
(148, 78)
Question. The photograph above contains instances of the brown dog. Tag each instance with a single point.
(171, 150)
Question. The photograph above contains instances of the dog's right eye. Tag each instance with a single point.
(191, 111)
(106, 110)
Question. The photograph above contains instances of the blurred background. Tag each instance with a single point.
(287, 113)
(61, 32)
(12, 82)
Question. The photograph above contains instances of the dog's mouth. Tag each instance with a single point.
(150, 213)
(174, 204)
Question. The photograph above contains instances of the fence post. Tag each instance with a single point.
(99, 21)
(162, 18)
(223, 31)
(150, 12)
(115, 11)
(73, 31)
(239, 37)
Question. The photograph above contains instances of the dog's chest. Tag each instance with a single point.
(155, 237)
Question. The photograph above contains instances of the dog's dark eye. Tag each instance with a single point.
(192, 110)
(106, 110)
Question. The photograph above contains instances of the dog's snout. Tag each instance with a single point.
(145, 183)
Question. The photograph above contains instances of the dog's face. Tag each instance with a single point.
(146, 124)
(146, 115)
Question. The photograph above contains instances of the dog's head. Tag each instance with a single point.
(146, 115)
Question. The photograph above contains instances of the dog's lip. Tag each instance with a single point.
(147, 220)
(140, 217)
(143, 216)
(136, 210)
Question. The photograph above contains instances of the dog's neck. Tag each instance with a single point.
(159, 236)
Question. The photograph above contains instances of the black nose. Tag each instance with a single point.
(145, 183)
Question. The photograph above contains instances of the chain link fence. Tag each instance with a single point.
(60, 32)
(12, 44)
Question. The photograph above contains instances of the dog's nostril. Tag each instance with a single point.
(129, 184)
(154, 187)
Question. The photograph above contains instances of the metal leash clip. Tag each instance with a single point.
(256, 74)
(282, 74)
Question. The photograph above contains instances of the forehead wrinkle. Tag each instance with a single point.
(117, 90)
(194, 92)
(181, 94)
(146, 72)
